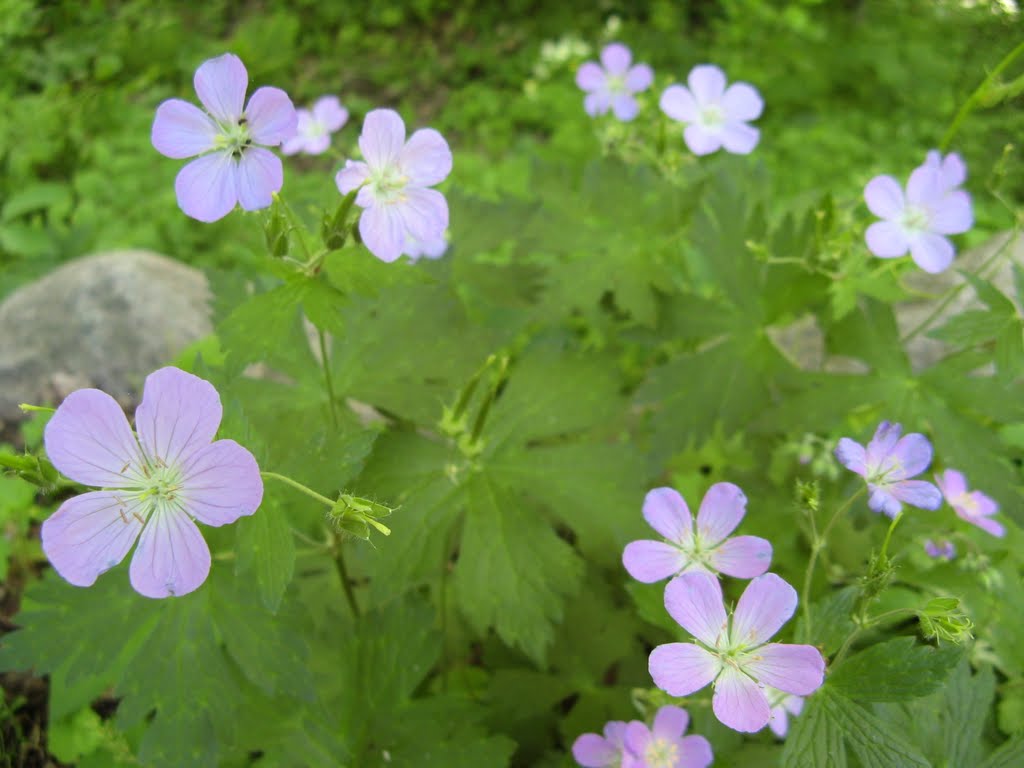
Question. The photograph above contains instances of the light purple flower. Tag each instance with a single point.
(887, 464)
(702, 547)
(431, 249)
(593, 751)
(153, 483)
(663, 744)
(400, 211)
(233, 167)
(945, 550)
(734, 655)
(919, 221)
(612, 85)
(715, 116)
(973, 506)
(782, 706)
(315, 126)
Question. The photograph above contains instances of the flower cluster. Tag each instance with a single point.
(714, 116)
(234, 166)
(155, 483)
(635, 745)
(919, 220)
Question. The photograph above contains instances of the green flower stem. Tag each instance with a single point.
(816, 547)
(888, 537)
(337, 549)
(976, 98)
(27, 408)
(327, 377)
(299, 487)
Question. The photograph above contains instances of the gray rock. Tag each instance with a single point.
(102, 321)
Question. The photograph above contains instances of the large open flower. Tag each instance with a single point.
(153, 485)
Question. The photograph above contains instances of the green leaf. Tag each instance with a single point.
(441, 732)
(1010, 351)
(261, 325)
(815, 738)
(967, 702)
(970, 328)
(990, 295)
(832, 620)
(266, 551)
(1009, 755)
(875, 743)
(894, 670)
(493, 585)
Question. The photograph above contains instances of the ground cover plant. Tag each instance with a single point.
(501, 450)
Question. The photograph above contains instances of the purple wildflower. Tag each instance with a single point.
(715, 116)
(232, 167)
(154, 484)
(663, 744)
(702, 547)
(887, 463)
(399, 208)
(315, 126)
(613, 85)
(973, 506)
(932, 208)
(734, 655)
(945, 550)
(593, 751)
(431, 249)
(782, 706)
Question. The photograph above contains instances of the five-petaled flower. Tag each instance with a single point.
(613, 85)
(315, 126)
(783, 705)
(233, 166)
(715, 116)
(594, 751)
(701, 547)
(734, 655)
(663, 744)
(919, 221)
(886, 465)
(400, 212)
(973, 506)
(153, 484)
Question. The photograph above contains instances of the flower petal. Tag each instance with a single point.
(592, 751)
(766, 604)
(88, 440)
(917, 493)
(742, 557)
(380, 228)
(797, 669)
(590, 76)
(852, 455)
(639, 78)
(638, 736)
(924, 185)
(221, 482)
(616, 58)
(986, 524)
(90, 534)
(932, 253)
(651, 561)
(423, 212)
(426, 158)
(952, 171)
(779, 722)
(680, 669)
(694, 600)
(670, 722)
(707, 84)
(952, 214)
(597, 103)
(952, 483)
(351, 176)
(666, 512)
(179, 414)
(272, 117)
(739, 703)
(678, 103)
(884, 197)
(887, 240)
(259, 176)
(721, 510)
(382, 138)
(700, 140)
(625, 107)
(303, 130)
(741, 102)
(740, 138)
(882, 442)
(880, 500)
(694, 752)
(172, 558)
(329, 112)
(221, 84)
(206, 187)
(914, 454)
(182, 130)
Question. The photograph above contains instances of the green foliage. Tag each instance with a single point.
(895, 670)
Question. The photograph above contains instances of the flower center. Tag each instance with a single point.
(883, 473)
(615, 84)
(711, 116)
(315, 129)
(388, 184)
(915, 219)
(661, 753)
(967, 504)
(234, 138)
